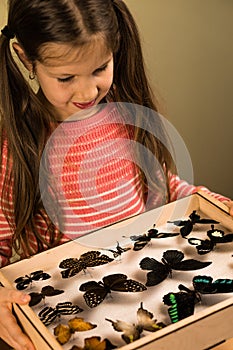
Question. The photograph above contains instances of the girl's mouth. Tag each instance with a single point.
(85, 104)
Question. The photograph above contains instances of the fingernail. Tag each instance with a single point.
(25, 298)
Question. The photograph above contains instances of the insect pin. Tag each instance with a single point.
(24, 281)
(96, 292)
(92, 258)
(171, 260)
(50, 314)
(118, 251)
(132, 331)
(187, 225)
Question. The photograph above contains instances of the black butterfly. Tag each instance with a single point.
(50, 314)
(181, 303)
(119, 250)
(171, 260)
(206, 285)
(187, 225)
(47, 291)
(142, 240)
(89, 259)
(96, 292)
(23, 282)
(132, 331)
(207, 245)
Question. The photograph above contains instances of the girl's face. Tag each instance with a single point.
(73, 79)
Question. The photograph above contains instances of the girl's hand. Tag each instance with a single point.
(229, 204)
(10, 331)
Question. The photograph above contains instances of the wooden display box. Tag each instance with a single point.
(204, 330)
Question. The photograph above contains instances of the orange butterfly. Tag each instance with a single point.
(63, 332)
(95, 343)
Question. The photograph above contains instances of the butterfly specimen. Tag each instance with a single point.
(206, 285)
(24, 281)
(171, 260)
(47, 291)
(95, 343)
(187, 225)
(142, 240)
(89, 259)
(181, 304)
(118, 251)
(215, 236)
(63, 333)
(132, 331)
(50, 314)
(96, 292)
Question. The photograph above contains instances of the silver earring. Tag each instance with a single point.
(32, 75)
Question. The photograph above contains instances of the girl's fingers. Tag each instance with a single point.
(11, 333)
(13, 296)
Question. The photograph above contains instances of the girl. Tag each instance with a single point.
(83, 54)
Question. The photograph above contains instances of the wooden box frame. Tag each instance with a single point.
(204, 330)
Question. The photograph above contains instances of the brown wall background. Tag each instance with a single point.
(189, 55)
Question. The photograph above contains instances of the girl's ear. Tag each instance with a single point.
(22, 56)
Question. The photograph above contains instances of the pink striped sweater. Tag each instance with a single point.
(94, 179)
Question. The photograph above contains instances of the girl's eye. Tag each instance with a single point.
(65, 80)
(101, 69)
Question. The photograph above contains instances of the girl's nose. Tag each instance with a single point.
(86, 91)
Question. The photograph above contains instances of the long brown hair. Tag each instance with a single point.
(25, 122)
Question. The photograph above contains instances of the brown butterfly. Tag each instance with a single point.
(95, 343)
(63, 332)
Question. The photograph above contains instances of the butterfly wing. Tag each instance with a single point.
(191, 264)
(181, 305)
(72, 265)
(94, 294)
(178, 222)
(223, 285)
(50, 291)
(172, 257)
(218, 236)
(79, 325)
(39, 275)
(22, 282)
(186, 229)
(95, 343)
(120, 283)
(100, 260)
(48, 315)
(146, 322)
(204, 285)
(67, 308)
(202, 246)
(130, 331)
(159, 271)
(62, 333)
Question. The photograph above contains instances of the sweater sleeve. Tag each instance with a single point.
(5, 241)
(6, 230)
(180, 188)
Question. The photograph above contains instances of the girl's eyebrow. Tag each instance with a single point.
(69, 74)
